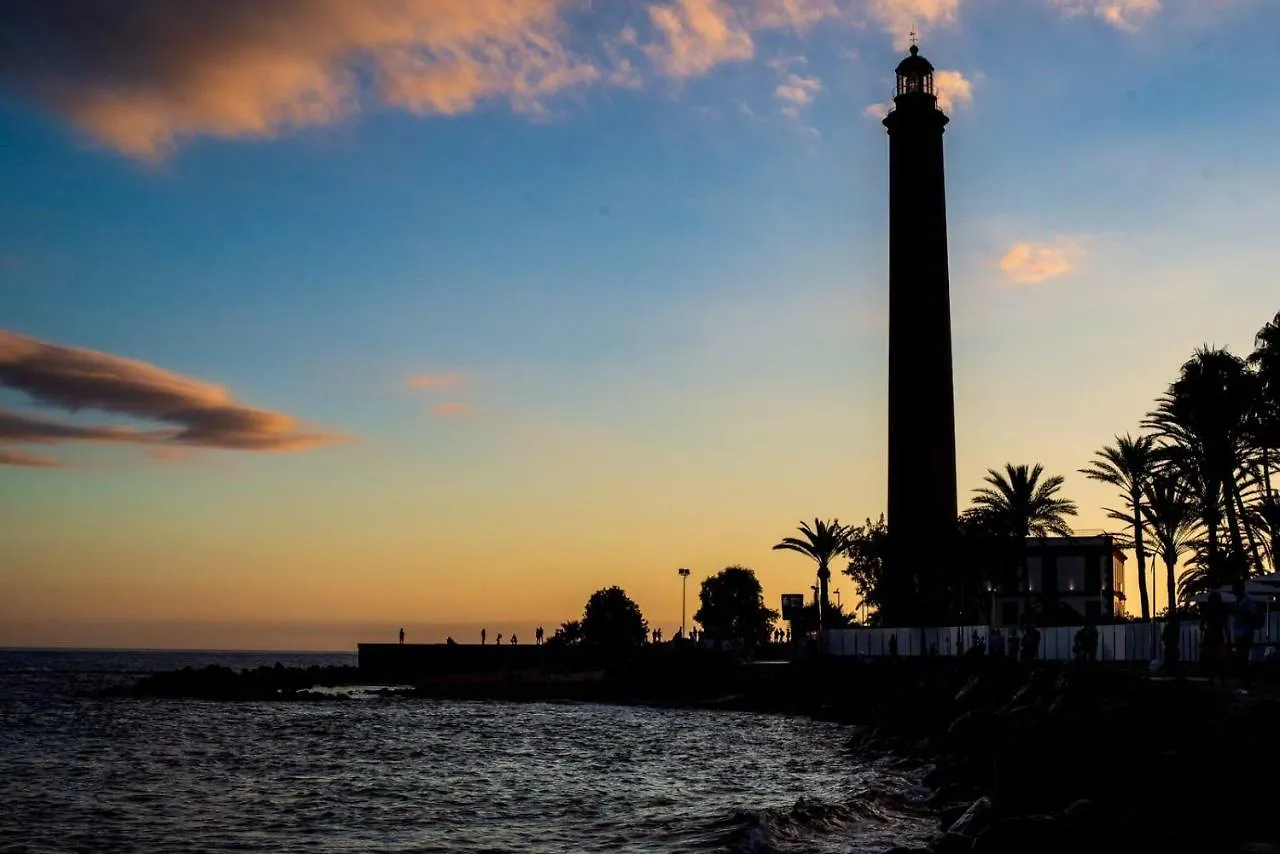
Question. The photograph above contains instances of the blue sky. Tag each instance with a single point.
(661, 286)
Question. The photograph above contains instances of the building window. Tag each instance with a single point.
(1092, 609)
(1033, 575)
(1049, 574)
(1071, 575)
(1009, 613)
(1092, 575)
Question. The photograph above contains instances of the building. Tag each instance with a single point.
(1084, 573)
(922, 433)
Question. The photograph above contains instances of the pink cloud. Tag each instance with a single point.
(141, 75)
(435, 382)
(451, 410)
(187, 412)
(25, 460)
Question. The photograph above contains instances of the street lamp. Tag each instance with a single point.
(684, 589)
(837, 597)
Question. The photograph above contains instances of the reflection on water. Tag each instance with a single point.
(397, 774)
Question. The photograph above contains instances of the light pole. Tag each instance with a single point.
(837, 597)
(684, 589)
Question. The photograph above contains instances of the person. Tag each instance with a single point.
(513, 639)
(402, 635)
(1213, 638)
(538, 635)
(893, 645)
(1030, 643)
(995, 645)
(1247, 621)
(499, 640)
(449, 641)
(1169, 636)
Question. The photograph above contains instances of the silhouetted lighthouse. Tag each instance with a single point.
(922, 429)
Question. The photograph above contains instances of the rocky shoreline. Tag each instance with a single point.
(1040, 759)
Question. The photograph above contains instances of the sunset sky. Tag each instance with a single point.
(318, 318)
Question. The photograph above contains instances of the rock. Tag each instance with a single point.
(974, 819)
(951, 843)
(1035, 834)
(971, 724)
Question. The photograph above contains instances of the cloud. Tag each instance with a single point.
(435, 381)
(144, 76)
(1121, 14)
(697, 35)
(798, 90)
(953, 89)
(140, 75)
(1031, 263)
(188, 412)
(29, 429)
(796, 14)
(900, 17)
(450, 410)
(35, 461)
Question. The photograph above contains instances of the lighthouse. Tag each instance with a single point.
(922, 429)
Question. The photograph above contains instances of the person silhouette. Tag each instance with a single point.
(537, 636)
(402, 635)
(513, 639)
(483, 633)
(499, 640)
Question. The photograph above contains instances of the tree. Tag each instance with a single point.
(1015, 503)
(733, 608)
(1204, 419)
(612, 622)
(835, 617)
(1171, 516)
(1129, 465)
(867, 547)
(569, 634)
(1265, 360)
(821, 544)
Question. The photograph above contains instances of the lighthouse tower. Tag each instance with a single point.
(922, 431)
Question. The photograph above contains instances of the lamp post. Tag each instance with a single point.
(684, 589)
(837, 597)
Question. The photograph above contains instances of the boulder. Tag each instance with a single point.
(1033, 834)
(973, 820)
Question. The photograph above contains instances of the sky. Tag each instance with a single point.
(321, 318)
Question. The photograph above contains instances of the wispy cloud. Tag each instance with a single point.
(900, 17)
(451, 409)
(436, 381)
(141, 75)
(953, 89)
(187, 412)
(1030, 263)
(697, 35)
(794, 89)
(1121, 14)
(25, 460)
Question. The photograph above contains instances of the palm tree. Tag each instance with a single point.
(1173, 520)
(821, 543)
(1129, 465)
(1016, 503)
(1204, 418)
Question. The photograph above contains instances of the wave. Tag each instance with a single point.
(867, 822)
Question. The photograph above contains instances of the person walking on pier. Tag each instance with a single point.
(402, 635)
(483, 635)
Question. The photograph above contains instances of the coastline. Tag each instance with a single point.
(1041, 758)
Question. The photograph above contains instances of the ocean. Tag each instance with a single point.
(379, 774)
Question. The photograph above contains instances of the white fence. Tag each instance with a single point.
(1119, 642)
